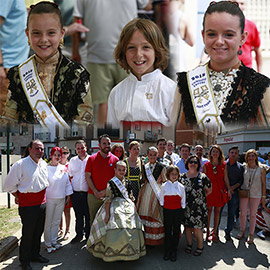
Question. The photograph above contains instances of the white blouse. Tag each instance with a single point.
(150, 100)
(171, 189)
(27, 176)
(60, 185)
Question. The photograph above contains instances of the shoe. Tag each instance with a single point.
(66, 236)
(40, 259)
(208, 236)
(57, 246)
(215, 238)
(240, 235)
(188, 249)
(250, 240)
(198, 252)
(173, 256)
(167, 256)
(60, 233)
(228, 237)
(50, 249)
(26, 267)
(76, 239)
(261, 235)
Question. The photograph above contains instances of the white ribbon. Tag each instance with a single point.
(121, 187)
(202, 98)
(152, 181)
(42, 108)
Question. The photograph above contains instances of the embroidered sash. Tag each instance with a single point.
(152, 181)
(202, 98)
(121, 187)
(43, 109)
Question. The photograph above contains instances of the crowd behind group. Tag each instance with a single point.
(124, 204)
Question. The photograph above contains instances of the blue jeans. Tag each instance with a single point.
(232, 205)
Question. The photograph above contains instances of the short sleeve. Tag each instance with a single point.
(142, 3)
(206, 181)
(78, 8)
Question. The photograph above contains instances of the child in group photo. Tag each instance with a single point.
(48, 88)
(146, 95)
(117, 230)
(173, 200)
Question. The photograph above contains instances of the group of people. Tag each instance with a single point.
(124, 204)
(234, 95)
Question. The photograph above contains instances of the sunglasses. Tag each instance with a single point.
(65, 153)
(215, 169)
(193, 162)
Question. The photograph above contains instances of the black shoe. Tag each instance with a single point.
(228, 237)
(166, 256)
(40, 259)
(173, 256)
(26, 267)
(76, 239)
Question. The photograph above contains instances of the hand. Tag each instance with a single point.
(2, 76)
(76, 27)
(76, 57)
(16, 200)
(67, 200)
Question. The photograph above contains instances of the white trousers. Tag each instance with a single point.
(54, 210)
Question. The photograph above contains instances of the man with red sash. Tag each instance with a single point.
(27, 180)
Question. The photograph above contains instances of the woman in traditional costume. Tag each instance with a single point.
(148, 205)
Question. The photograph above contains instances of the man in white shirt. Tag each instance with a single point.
(170, 151)
(198, 151)
(27, 180)
(76, 169)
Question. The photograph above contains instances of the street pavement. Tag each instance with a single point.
(231, 255)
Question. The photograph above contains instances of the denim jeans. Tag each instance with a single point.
(232, 205)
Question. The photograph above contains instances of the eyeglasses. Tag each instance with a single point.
(65, 153)
(232, 2)
(193, 162)
(215, 169)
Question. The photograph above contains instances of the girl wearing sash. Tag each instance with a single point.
(134, 168)
(224, 91)
(48, 88)
(148, 205)
(117, 231)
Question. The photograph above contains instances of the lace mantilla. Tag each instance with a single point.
(222, 86)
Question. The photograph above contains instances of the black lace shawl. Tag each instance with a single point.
(115, 190)
(241, 106)
(70, 86)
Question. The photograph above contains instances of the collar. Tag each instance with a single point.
(108, 156)
(52, 60)
(148, 76)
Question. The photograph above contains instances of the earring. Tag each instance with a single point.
(240, 51)
(28, 41)
(61, 43)
(205, 51)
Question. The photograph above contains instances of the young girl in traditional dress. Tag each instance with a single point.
(117, 230)
(173, 200)
(146, 95)
(48, 88)
(148, 205)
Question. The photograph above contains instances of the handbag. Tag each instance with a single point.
(225, 196)
(243, 193)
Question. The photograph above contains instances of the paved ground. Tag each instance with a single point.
(231, 255)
